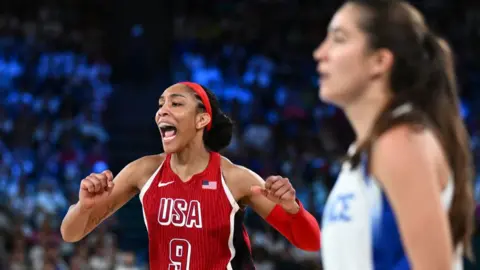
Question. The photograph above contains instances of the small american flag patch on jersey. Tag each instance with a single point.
(209, 184)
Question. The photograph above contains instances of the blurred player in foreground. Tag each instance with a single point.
(404, 198)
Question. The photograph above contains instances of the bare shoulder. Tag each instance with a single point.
(144, 167)
(148, 163)
(407, 140)
(239, 179)
(236, 173)
(408, 147)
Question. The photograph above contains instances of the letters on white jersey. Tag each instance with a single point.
(346, 226)
(180, 213)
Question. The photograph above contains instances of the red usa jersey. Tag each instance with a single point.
(194, 225)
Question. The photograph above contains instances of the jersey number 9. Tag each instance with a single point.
(180, 251)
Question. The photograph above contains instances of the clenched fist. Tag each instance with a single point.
(94, 187)
(280, 191)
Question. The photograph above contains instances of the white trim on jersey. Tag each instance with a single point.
(235, 208)
(144, 190)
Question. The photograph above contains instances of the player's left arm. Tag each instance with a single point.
(406, 163)
(275, 201)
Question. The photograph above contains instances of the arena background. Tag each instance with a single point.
(79, 82)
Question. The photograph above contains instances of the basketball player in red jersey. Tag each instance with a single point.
(193, 198)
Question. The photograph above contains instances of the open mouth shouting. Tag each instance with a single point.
(168, 131)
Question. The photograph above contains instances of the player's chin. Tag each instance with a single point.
(325, 93)
(330, 95)
(170, 149)
(170, 146)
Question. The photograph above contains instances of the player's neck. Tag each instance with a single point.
(190, 161)
(363, 113)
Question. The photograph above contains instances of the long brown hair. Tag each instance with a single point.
(423, 77)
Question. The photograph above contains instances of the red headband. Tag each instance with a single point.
(203, 96)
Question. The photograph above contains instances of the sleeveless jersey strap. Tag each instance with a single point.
(215, 159)
(166, 162)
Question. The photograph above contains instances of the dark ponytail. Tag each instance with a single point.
(423, 79)
(220, 135)
(455, 140)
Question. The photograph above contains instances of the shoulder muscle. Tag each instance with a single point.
(240, 181)
(141, 169)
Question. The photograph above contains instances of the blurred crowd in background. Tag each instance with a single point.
(54, 88)
(255, 55)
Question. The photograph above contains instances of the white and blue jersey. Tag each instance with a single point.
(359, 230)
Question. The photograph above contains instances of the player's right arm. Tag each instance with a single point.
(101, 195)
